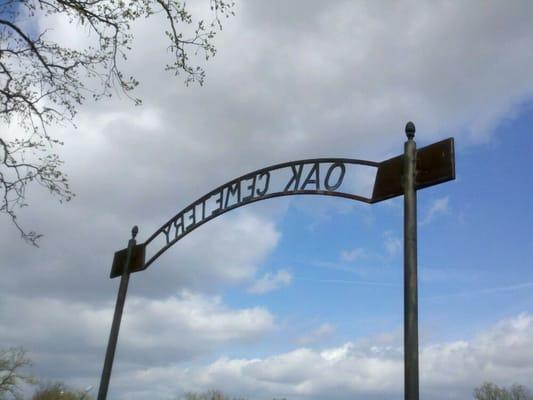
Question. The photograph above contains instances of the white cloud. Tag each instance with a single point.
(225, 252)
(393, 244)
(323, 331)
(153, 332)
(270, 282)
(200, 321)
(368, 369)
(438, 206)
(335, 79)
(351, 255)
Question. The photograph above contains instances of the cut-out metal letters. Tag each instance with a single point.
(320, 176)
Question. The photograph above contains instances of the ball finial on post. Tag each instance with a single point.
(134, 231)
(410, 130)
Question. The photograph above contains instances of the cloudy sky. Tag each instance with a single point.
(297, 297)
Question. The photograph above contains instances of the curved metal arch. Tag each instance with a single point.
(174, 229)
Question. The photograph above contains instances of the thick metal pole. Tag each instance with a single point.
(410, 268)
(115, 327)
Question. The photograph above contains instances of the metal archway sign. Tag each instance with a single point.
(404, 174)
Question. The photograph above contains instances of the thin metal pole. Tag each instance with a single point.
(115, 327)
(410, 268)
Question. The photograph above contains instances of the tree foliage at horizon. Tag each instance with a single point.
(12, 363)
(491, 391)
(209, 395)
(214, 395)
(13, 360)
(11, 377)
(43, 82)
(58, 391)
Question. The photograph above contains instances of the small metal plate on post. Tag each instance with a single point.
(137, 260)
(434, 164)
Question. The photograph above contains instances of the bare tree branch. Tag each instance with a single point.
(42, 82)
(11, 376)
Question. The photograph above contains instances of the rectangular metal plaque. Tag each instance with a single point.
(434, 164)
(137, 260)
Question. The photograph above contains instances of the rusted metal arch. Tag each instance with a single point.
(251, 175)
(404, 174)
(434, 165)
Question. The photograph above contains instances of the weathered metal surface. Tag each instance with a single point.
(117, 317)
(136, 263)
(435, 164)
(404, 174)
(410, 291)
(321, 176)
